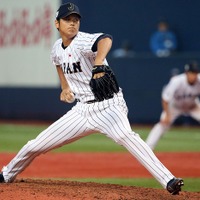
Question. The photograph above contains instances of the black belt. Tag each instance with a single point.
(92, 101)
(89, 102)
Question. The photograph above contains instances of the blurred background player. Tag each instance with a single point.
(179, 97)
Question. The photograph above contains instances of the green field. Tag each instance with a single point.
(13, 137)
(177, 139)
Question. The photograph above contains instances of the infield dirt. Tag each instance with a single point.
(94, 165)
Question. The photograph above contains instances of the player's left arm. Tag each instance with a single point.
(103, 82)
(104, 45)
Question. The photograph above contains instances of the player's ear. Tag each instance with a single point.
(57, 24)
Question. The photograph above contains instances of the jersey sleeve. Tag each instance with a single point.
(86, 41)
(54, 56)
(94, 47)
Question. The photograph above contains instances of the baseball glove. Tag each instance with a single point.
(105, 86)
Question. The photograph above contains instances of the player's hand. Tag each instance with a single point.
(166, 120)
(98, 73)
(67, 96)
(103, 82)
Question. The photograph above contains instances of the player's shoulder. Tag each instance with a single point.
(57, 43)
(177, 81)
(198, 80)
(87, 36)
(56, 49)
(199, 77)
(178, 78)
(81, 33)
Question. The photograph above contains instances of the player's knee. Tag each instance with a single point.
(127, 136)
(165, 126)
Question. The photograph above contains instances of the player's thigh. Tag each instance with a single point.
(113, 123)
(68, 128)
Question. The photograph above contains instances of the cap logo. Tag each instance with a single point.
(70, 7)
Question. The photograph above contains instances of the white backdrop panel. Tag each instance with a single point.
(27, 33)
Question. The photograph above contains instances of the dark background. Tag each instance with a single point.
(136, 20)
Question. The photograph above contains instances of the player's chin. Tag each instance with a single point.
(72, 32)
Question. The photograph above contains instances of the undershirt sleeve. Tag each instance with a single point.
(94, 47)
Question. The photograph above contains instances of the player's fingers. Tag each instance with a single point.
(69, 95)
(62, 97)
(98, 75)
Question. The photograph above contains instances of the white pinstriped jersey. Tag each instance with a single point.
(77, 61)
(108, 117)
(180, 93)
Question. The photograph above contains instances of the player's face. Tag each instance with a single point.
(192, 77)
(69, 26)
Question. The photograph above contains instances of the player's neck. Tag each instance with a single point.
(67, 41)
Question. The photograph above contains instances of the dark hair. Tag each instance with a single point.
(192, 67)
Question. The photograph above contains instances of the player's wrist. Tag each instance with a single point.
(98, 69)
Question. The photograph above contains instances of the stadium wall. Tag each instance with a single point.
(141, 79)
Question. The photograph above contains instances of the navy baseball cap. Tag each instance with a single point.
(66, 10)
(192, 67)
